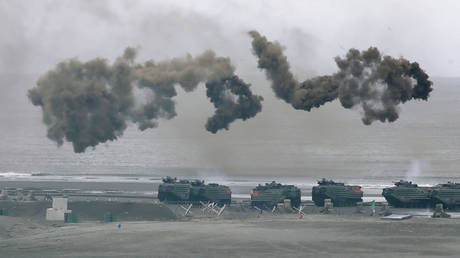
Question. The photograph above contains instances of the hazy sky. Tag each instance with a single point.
(38, 34)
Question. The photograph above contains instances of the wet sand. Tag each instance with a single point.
(246, 235)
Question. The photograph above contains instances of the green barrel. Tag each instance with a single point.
(70, 218)
(3, 212)
(108, 217)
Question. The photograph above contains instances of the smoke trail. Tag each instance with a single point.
(378, 84)
(93, 102)
(222, 94)
(85, 103)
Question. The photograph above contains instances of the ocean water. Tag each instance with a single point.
(280, 144)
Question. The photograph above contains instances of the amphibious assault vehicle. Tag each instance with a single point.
(339, 193)
(268, 195)
(190, 191)
(409, 195)
(447, 194)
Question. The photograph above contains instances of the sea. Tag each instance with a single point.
(280, 144)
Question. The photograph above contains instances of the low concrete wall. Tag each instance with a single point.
(93, 210)
(123, 211)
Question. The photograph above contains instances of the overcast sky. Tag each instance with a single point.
(38, 34)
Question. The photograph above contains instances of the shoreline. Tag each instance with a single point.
(283, 235)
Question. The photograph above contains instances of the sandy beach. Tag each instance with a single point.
(235, 234)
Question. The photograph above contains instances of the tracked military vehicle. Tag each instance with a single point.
(408, 195)
(268, 195)
(339, 193)
(447, 194)
(192, 191)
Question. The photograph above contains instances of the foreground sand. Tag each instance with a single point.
(268, 236)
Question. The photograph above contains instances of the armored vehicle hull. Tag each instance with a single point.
(339, 193)
(407, 195)
(184, 191)
(269, 195)
(447, 194)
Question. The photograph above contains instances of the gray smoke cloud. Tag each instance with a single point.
(222, 94)
(365, 78)
(93, 102)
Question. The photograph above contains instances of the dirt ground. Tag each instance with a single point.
(283, 235)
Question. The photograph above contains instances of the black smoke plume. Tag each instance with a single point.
(93, 102)
(378, 84)
(222, 94)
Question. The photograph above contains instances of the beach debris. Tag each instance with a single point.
(212, 207)
(3, 194)
(19, 196)
(300, 211)
(439, 212)
(48, 198)
(219, 211)
(328, 206)
(259, 211)
(30, 196)
(359, 208)
(207, 206)
(287, 204)
(385, 210)
(280, 207)
(60, 203)
(58, 210)
(239, 205)
(187, 209)
(397, 217)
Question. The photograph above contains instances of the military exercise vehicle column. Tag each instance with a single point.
(404, 194)
(409, 195)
